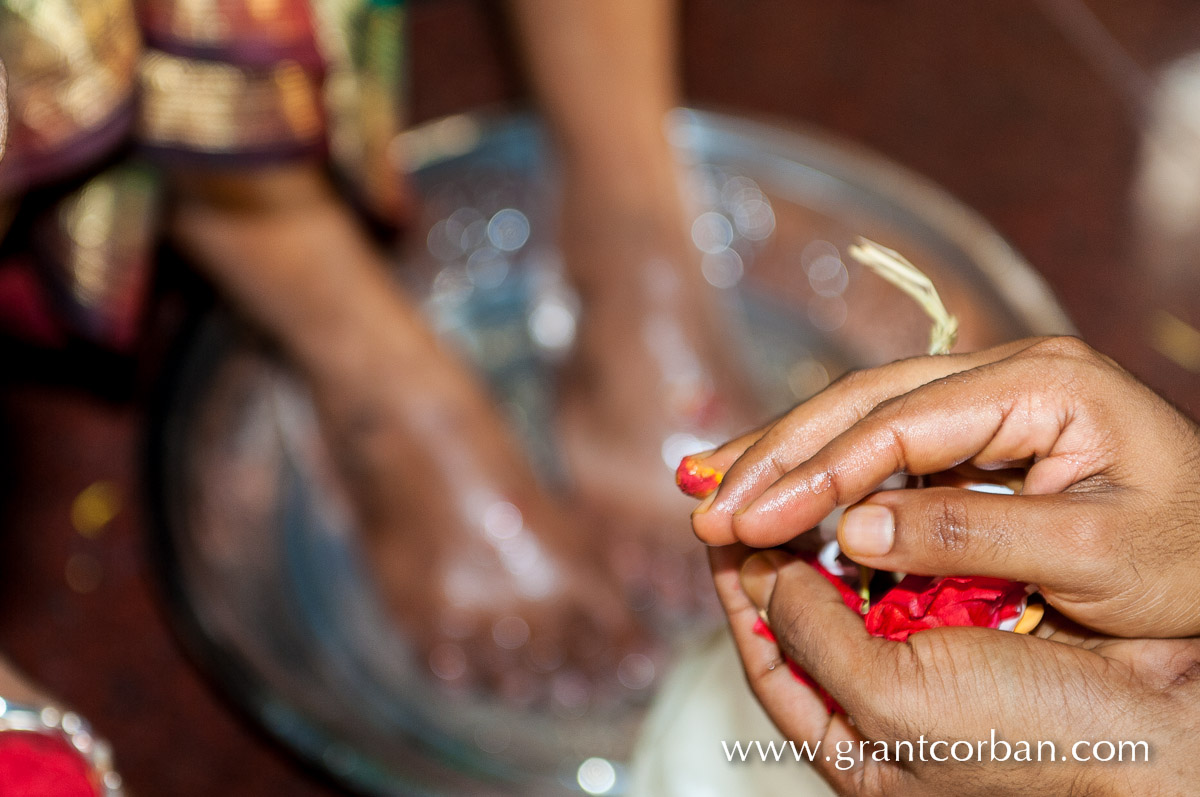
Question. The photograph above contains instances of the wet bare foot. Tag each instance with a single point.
(499, 588)
(654, 375)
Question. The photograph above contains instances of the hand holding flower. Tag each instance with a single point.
(1107, 524)
(1062, 685)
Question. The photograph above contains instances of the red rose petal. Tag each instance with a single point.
(695, 479)
(850, 597)
(915, 604)
(918, 603)
(921, 602)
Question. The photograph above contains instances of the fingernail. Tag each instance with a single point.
(758, 579)
(705, 454)
(704, 505)
(868, 530)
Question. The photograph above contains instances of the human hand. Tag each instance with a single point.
(1062, 685)
(1106, 525)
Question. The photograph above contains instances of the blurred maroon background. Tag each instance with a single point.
(988, 99)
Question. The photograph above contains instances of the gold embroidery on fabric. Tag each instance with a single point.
(217, 22)
(70, 64)
(208, 106)
(365, 92)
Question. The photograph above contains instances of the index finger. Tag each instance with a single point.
(992, 416)
(754, 462)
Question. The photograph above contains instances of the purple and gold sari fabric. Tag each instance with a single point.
(105, 96)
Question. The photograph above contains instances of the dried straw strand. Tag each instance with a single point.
(896, 269)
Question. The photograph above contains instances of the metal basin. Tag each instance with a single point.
(258, 549)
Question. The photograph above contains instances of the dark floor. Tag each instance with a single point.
(987, 99)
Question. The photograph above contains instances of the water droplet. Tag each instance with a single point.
(508, 230)
(596, 776)
(552, 325)
(722, 269)
(636, 671)
(502, 521)
(712, 232)
(828, 276)
(827, 313)
(510, 632)
(755, 219)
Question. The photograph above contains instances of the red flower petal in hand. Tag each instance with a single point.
(915, 604)
(850, 597)
(695, 479)
(918, 603)
(921, 602)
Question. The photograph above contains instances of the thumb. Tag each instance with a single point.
(1053, 541)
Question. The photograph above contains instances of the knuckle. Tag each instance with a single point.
(948, 524)
(907, 685)
(774, 463)
(932, 657)
(897, 698)
(895, 412)
(1063, 347)
(890, 407)
(883, 714)
(851, 380)
(763, 459)
(1182, 668)
(758, 678)
(893, 416)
